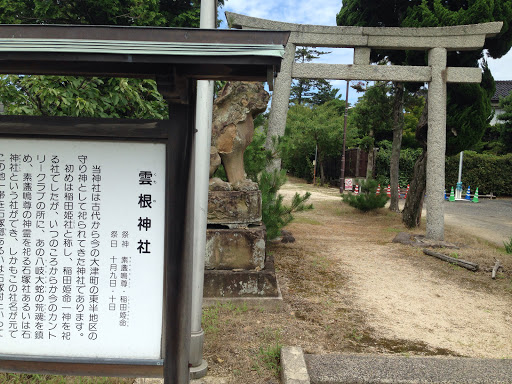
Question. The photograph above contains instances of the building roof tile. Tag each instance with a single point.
(503, 88)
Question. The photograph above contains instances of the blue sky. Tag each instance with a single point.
(324, 13)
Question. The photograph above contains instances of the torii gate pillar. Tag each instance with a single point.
(280, 101)
(436, 141)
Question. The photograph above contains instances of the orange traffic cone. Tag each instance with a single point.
(389, 191)
(378, 190)
(356, 191)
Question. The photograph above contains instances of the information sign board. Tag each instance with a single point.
(348, 184)
(82, 248)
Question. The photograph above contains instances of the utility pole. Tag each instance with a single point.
(342, 176)
(199, 195)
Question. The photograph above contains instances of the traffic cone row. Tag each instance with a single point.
(388, 191)
(467, 198)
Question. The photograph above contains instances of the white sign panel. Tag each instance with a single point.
(348, 184)
(81, 248)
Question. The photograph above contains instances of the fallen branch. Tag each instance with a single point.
(462, 263)
(497, 266)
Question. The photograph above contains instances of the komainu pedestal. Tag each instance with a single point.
(236, 264)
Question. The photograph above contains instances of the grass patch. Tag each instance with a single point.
(210, 318)
(396, 230)
(269, 354)
(306, 220)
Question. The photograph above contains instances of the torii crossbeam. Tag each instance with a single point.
(436, 40)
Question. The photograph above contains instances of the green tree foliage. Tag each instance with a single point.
(367, 200)
(310, 126)
(408, 157)
(78, 96)
(413, 108)
(435, 13)
(465, 100)
(161, 13)
(505, 129)
(91, 97)
(468, 113)
(256, 156)
(311, 91)
(371, 116)
(468, 104)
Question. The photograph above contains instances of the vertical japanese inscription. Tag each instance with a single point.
(3, 189)
(81, 248)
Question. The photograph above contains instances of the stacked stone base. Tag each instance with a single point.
(241, 283)
(236, 265)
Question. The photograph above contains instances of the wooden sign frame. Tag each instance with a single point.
(174, 133)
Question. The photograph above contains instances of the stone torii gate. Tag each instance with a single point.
(436, 40)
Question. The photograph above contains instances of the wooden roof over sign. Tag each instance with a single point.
(140, 51)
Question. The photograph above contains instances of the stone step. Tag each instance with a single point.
(338, 368)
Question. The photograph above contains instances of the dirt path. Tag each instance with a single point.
(348, 289)
(403, 294)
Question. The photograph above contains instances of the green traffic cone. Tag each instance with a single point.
(475, 198)
(452, 195)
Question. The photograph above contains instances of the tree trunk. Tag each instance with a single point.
(322, 172)
(369, 164)
(398, 126)
(411, 215)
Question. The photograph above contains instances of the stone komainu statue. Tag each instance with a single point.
(234, 110)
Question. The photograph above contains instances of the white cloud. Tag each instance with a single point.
(298, 11)
(501, 69)
(260, 9)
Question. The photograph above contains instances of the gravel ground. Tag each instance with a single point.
(489, 219)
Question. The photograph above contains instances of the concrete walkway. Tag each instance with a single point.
(338, 368)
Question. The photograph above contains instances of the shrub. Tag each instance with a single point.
(367, 200)
(274, 214)
(508, 246)
(490, 173)
(408, 157)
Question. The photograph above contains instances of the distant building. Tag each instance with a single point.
(503, 88)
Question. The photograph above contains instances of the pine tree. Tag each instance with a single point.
(311, 91)
(468, 104)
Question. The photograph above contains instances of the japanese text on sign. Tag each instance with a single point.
(81, 248)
